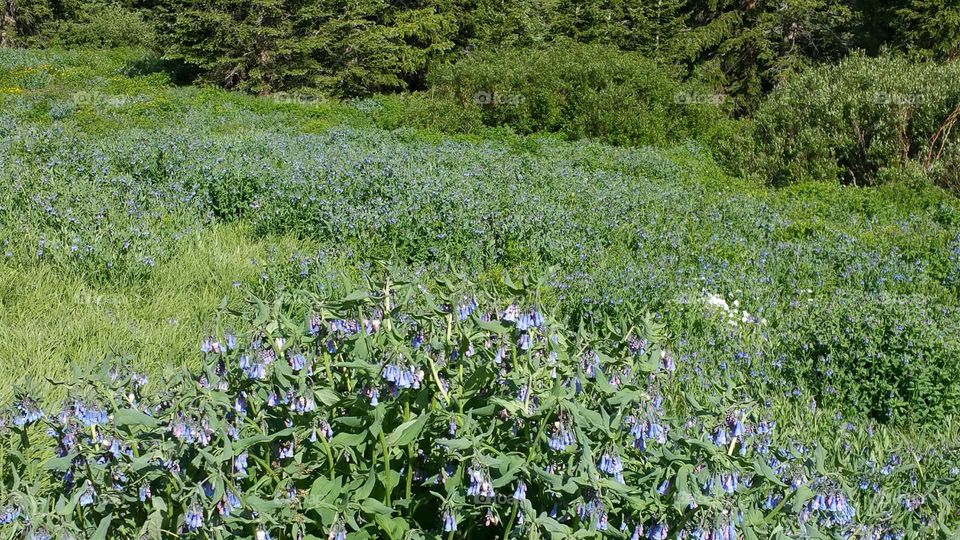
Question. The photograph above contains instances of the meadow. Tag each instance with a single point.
(385, 321)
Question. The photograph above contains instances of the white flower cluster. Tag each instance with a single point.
(734, 315)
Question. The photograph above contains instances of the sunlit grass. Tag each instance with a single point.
(50, 319)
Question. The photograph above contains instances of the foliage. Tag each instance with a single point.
(117, 178)
(74, 23)
(859, 118)
(101, 25)
(346, 48)
(395, 412)
(748, 48)
(931, 27)
(580, 91)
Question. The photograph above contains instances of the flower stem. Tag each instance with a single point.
(386, 470)
(410, 454)
(513, 517)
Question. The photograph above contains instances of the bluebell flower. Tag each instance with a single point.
(560, 438)
(286, 450)
(664, 487)
(240, 463)
(240, 404)
(611, 464)
(228, 503)
(657, 531)
(144, 492)
(480, 483)
(449, 521)
(193, 518)
(88, 496)
(524, 322)
(27, 412)
(39, 534)
(297, 361)
(9, 514)
(521, 492)
(466, 308)
(719, 437)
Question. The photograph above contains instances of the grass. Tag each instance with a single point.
(51, 319)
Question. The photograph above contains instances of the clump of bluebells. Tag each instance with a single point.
(398, 412)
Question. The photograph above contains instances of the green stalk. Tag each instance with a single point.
(513, 517)
(436, 379)
(386, 470)
(326, 361)
(326, 448)
(410, 454)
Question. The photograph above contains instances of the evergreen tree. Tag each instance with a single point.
(345, 47)
(649, 27)
(490, 24)
(931, 27)
(747, 47)
(22, 19)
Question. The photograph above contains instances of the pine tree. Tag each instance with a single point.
(22, 19)
(931, 27)
(649, 27)
(747, 47)
(342, 46)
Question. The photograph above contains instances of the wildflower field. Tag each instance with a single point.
(227, 316)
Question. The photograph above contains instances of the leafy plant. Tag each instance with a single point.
(394, 412)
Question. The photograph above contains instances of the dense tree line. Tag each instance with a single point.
(361, 46)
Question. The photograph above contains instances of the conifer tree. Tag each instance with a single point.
(931, 27)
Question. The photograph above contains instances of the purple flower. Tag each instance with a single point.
(194, 518)
(449, 521)
(521, 492)
(88, 496)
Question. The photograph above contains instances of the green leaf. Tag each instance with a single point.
(133, 417)
(407, 432)
(327, 396)
(102, 528)
(455, 444)
(395, 528)
(800, 497)
(373, 506)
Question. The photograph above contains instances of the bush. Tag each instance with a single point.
(580, 91)
(854, 121)
(102, 25)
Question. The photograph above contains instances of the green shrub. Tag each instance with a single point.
(580, 91)
(345, 48)
(856, 121)
(102, 25)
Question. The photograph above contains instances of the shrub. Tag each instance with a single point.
(101, 24)
(853, 121)
(580, 91)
